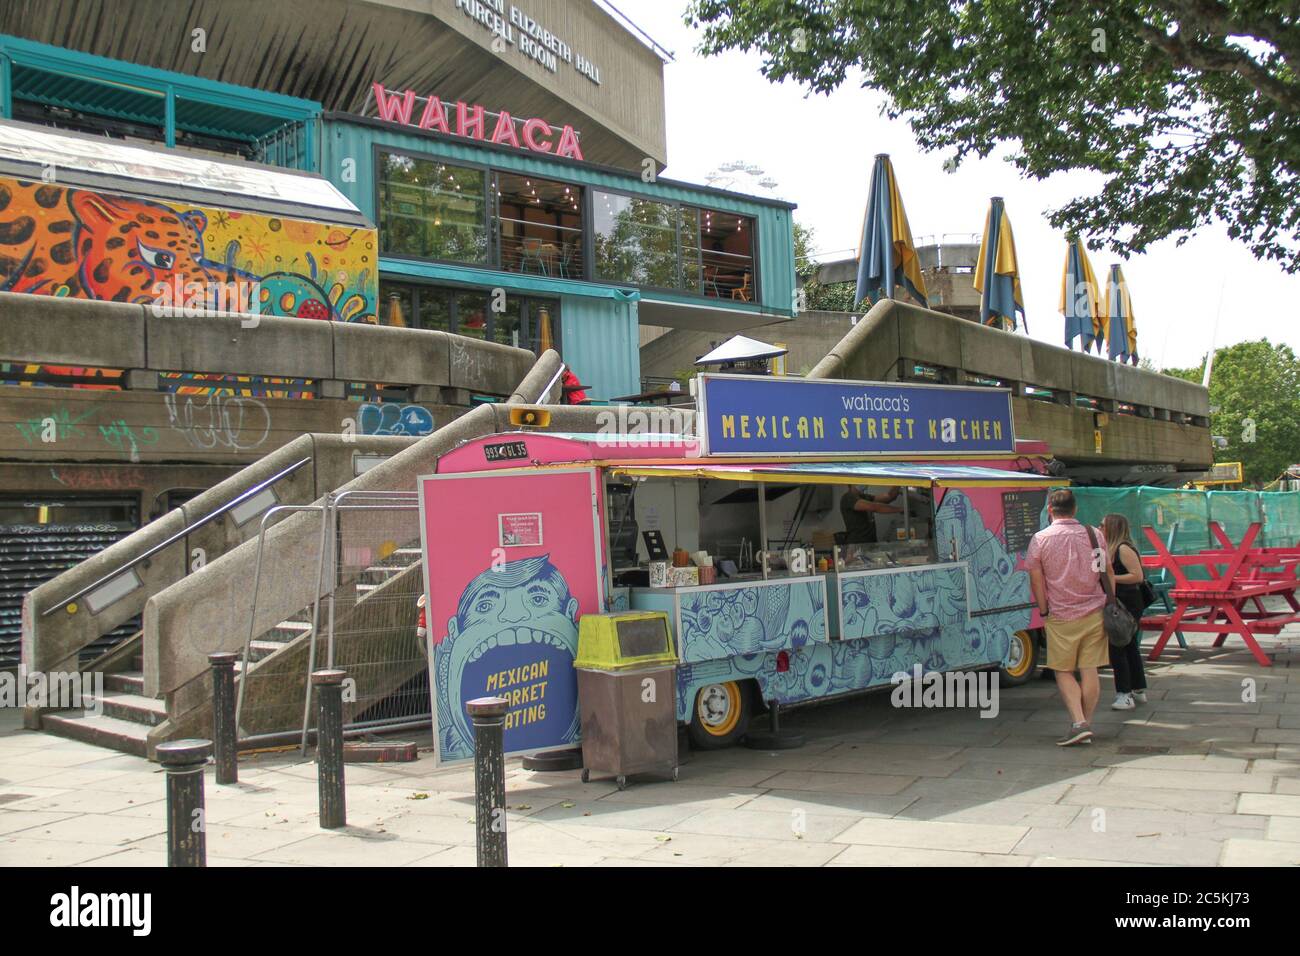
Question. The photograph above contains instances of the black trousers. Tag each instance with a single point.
(1126, 662)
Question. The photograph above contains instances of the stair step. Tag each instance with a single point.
(367, 588)
(409, 552)
(149, 711)
(287, 631)
(258, 650)
(130, 682)
(101, 730)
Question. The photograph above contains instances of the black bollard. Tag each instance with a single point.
(224, 736)
(489, 717)
(183, 761)
(329, 748)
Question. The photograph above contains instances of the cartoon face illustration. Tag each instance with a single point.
(514, 635)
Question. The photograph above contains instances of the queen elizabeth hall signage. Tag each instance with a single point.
(753, 415)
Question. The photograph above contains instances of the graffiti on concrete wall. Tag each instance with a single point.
(60, 424)
(377, 419)
(219, 421)
(111, 478)
(83, 244)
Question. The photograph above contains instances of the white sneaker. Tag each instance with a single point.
(1123, 702)
(1140, 696)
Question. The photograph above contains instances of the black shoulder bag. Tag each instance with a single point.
(1119, 623)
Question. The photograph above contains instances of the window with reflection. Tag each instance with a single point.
(727, 255)
(527, 322)
(635, 240)
(539, 223)
(432, 210)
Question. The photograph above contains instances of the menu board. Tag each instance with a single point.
(1021, 513)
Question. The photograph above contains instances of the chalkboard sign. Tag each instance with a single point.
(1021, 513)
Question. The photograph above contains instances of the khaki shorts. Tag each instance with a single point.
(1072, 645)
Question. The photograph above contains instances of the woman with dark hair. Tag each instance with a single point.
(1126, 662)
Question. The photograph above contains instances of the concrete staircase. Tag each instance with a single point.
(121, 716)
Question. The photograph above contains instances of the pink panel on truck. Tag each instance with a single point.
(511, 562)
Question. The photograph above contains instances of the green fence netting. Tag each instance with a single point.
(1185, 514)
(1235, 511)
(1281, 518)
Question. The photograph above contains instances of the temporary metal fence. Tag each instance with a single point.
(368, 576)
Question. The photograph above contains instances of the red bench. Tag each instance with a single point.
(1237, 574)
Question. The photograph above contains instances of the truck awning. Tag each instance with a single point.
(846, 473)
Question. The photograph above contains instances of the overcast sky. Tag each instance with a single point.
(819, 149)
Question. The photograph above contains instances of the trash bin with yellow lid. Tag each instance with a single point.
(627, 687)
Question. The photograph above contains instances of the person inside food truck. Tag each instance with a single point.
(858, 508)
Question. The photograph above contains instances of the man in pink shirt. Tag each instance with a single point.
(1064, 567)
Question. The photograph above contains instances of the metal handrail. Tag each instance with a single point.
(550, 385)
(188, 529)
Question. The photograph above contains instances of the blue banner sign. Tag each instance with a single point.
(761, 416)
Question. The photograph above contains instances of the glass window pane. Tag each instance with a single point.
(690, 233)
(540, 223)
(435, 308)
(396, 304)
(431, 210)
(543, 325)
(471, 314)
(727, 253)
(635, 240)
(508, 325)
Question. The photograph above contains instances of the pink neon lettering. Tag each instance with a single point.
(393, 109)
(505, 131)
(464, 124)
(531, 128)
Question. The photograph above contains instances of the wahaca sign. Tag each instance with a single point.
(471, 121)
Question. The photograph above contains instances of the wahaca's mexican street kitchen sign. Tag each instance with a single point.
(759, 415)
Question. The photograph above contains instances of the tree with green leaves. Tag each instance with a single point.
(1189, 108)
(817, 296)
(1255, 398)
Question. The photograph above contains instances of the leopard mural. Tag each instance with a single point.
(71, 242)
(77, 243)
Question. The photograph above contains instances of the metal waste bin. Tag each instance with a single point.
(627, 695)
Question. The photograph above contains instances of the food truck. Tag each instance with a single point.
(781, 586)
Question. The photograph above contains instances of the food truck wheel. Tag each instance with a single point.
(1022, 661)
(721, 715)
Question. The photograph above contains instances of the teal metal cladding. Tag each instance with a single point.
(600, 343)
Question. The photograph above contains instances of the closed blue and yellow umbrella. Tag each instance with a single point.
(1121, 328)
(1080, 298)
(997, 273)
(887, 258)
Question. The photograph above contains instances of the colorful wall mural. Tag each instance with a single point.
(91, 245)
(78, 243)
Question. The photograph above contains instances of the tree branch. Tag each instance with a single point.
(1193, 54)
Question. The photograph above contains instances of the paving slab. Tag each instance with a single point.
(935, 835)
(1245, 852)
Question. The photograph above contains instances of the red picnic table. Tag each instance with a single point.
(1237, 574)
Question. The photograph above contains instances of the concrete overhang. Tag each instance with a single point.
(331, 51)
(702, 318)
